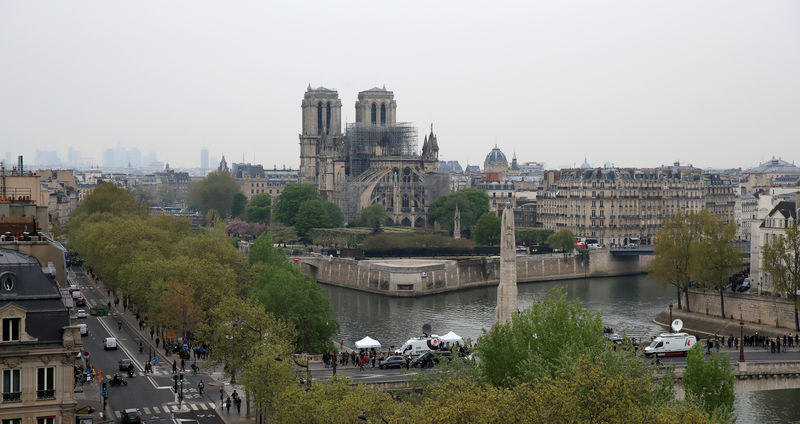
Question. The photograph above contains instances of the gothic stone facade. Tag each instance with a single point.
(374, 162)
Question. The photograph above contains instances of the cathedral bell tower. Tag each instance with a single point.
(322, 120)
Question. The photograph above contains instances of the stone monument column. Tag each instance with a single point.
(457, 224)
(507, 289)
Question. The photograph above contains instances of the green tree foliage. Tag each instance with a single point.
(105, 198)
(671, 265)
(288, 203)
(334, 214)
(539, 341)
(487, 230)
(385, 242)
(297, 299)
(311, 214)
(238, 205)
(709, 383)
(562, 240)
(472, 203)
(258, 210)
(781, 262)
(336, 402)
(532, 235)
(372, 217)
(714, 258)
(262, 251)
(239, 329)
(215, 192)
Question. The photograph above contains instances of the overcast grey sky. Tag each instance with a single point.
(636, 83)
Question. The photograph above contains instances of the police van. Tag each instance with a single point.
(670, 344)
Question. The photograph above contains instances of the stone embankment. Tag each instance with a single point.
(417, 277)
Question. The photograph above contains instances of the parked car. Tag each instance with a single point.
(131, 416)
(80, 301)
(124, 363)
(429, 359)
(110, 343)
(81, 313)
(394, 362)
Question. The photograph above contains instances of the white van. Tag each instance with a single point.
(76, 294)
(418, 345)
(84, 329)
(110, 343)
(670, 344)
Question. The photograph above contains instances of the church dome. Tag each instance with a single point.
(496, 157)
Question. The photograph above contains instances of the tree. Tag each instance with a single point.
(487, 229)
(562, 240)
(288, 203)
(238, 328)
(472, 203)
(258, 210)
(297, 299)
(374, 216)
(532, 235)
(264, 252)
(215, 192)
(179, 309)
(334, 214)
(781, 262)
(105, 198)
(671, 265)
(311, 214)
(238, 205)
(539, 341)
(709, 383)
(713, 256)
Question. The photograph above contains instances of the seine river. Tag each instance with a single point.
(627, 304)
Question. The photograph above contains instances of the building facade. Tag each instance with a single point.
(616, 206)
(40, 340)
(375, 162)
(773, 224)
(254, 179)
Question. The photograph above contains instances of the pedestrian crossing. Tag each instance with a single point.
(173, 407)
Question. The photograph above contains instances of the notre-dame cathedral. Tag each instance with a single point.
(374, 161)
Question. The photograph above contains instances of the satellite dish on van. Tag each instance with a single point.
(426, 329)
(677, 325)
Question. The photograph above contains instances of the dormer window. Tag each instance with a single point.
(11, 329)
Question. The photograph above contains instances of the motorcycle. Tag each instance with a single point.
(118, 381)
(130, 372)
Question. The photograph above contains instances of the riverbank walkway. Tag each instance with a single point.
(708, 325)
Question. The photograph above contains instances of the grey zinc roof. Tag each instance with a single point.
(496, 156)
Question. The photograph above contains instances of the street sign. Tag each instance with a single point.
(86, 354)
(105, 394)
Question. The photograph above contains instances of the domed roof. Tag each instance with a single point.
(496, 156)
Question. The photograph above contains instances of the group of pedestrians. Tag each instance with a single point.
(234, 399)
(774, 344)
(364, 358)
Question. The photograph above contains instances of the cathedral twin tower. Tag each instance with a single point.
(374, 162)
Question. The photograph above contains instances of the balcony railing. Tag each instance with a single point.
(45, 394)
(12, 397)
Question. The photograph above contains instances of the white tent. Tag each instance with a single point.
(367, 343)
(451, 337)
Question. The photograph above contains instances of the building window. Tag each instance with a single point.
(11, 329)
(45, 420)
(45, 387)
(328, 118)
(383, 113)
(319, 118)
(13, 421)
(11, 386)
(374, 113)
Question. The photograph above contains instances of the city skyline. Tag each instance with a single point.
(637, 85)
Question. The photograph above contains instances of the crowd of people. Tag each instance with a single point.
(774, 344)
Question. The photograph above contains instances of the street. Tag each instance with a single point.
(152, 394)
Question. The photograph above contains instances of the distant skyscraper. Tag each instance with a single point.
(204, 159)
(108, 158)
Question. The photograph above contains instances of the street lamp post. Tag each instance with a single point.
(670, 317)
(741, 341)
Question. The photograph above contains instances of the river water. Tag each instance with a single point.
(627, 304)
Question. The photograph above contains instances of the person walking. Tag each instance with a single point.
(239, 406)
(221, 397)
(152, 331)
(200, 387)
(174, 367)
(228, 404)
(183, 365)
(157, 342)
(119, 325)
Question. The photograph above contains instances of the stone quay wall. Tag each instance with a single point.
(765, 310)
(418, 277)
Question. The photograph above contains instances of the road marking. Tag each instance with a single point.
(175, 408)
(117, 414)
(146, 410)
(193, 406)
(203, 406)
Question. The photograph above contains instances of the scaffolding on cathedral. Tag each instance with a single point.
(364, 142)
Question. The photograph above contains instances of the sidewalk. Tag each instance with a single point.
(713, 325)
(215, 375)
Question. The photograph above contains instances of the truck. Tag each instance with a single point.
(418, 345)
(670, 344)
